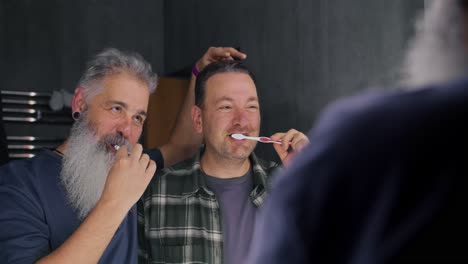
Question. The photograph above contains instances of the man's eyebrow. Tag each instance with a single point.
(143, 113)
(125, 106)
(113, 102)
(252, 98)
(229, 99)
(224, 98)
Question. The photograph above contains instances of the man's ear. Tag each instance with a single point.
(78, 100)
(197, 121)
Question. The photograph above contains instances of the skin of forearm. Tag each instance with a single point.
(184, 141)
(88, 242)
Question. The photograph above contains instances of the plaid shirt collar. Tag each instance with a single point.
(258, 193)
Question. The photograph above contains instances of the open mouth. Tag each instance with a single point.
(112, 147)
(114, 142)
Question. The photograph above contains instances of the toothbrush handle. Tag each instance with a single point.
(279, 142)
(269, 140)
(276, 142)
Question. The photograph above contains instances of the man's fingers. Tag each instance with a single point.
(284, 138)
(288, 137)
(122, 152)
(225, 53)
(277, 136)
(151, 169)
(233, 53)
(136, 152)
(217, 52)
(299, 142)
(214, 54)
(144, 160)
(279, 150)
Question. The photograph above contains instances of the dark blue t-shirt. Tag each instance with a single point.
(237, 214)
(156, 155)
(35, 217)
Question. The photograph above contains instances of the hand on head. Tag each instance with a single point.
(218, 54)
(293, 142)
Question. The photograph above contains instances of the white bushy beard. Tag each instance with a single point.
(437, 52)
(86, 164)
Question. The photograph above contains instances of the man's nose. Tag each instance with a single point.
(240, 117)
(125, 127)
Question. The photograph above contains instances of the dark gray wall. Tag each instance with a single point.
(46, 43)
(304, 53)
(2, 37)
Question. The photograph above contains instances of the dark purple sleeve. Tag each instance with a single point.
(156, 155)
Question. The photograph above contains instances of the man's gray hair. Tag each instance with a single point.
(436, 52)
(111, 61)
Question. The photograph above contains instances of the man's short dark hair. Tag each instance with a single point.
(212, 69)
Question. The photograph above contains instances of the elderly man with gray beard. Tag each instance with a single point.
(386, 178)
(76, 204)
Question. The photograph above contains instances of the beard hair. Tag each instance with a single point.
(224, 151)
(437, 52)
(86, 164)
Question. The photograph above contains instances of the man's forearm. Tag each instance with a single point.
(88, 242)
(184, 141)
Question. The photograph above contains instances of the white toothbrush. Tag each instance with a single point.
(259, 139)
(117, 147)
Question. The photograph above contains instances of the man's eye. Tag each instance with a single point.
(139, 119)
(116, 109)
(252, 108)
(225, 107)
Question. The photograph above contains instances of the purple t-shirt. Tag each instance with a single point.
(237, 214)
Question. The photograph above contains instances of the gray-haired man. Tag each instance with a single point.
(75, 203)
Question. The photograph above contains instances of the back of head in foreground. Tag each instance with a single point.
(384, 181)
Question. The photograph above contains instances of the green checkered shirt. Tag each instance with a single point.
(179, 217)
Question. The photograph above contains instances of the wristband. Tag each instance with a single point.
(195, 70)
